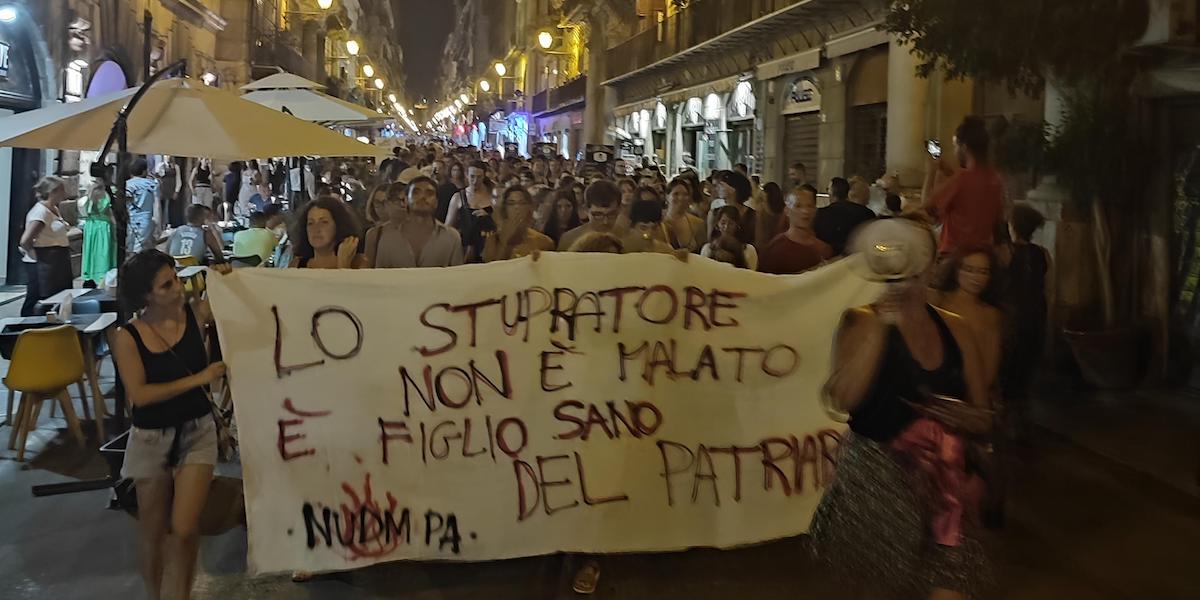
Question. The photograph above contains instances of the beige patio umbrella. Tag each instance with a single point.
(179, 117)
(312, 105)
(282, 81)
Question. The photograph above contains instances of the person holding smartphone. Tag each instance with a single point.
(966, 195)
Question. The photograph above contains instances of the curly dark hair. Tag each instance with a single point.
(347, 224)
(946, 277)
(135, 279)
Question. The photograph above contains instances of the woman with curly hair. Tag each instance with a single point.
(326, 236)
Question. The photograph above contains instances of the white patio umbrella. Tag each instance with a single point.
(282, 81)
(312, 105)
(178, 117)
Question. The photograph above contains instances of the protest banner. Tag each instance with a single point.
(581, 402)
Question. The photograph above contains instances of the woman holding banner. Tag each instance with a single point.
(326, 237)
(910, 379)
(163, 361)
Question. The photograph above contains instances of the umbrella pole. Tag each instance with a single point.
(116, 190)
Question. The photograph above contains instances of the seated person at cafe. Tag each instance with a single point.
(258, 240)
(195, 237)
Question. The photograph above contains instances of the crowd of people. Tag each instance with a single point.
(940, 366)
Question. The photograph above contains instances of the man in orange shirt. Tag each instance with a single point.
(968, 199)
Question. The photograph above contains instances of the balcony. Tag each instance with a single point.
(562, 96)
(709, 27)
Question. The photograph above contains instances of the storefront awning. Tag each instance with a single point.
(799, 17)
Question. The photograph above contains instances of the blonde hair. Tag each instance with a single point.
(46, 185)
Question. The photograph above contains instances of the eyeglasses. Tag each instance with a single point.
(603, 216)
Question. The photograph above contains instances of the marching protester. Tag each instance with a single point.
(163, 361)
(602, 203)
(735, 189)
(454, 183)
(966, 196)
(516, 236)
(911, 381)
(373, 210)
(727, 243)
(325, 236)
(412, 237)
(836, 222)
(470, 211)
(685, 230)
(565, 216)
(645, 231)
(45, 247)
(798, 249)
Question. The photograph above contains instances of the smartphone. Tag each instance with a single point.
(934, 148)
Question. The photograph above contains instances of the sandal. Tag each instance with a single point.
(587, 577)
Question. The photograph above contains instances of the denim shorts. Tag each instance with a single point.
(148, 453)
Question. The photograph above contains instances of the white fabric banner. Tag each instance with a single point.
(582, 402)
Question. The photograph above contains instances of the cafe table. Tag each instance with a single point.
(107, 298)
(90, 328)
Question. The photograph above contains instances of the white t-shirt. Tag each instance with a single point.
(53, 234)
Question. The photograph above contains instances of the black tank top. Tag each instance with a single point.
(186, 358)
(882, 415)
(203, 177)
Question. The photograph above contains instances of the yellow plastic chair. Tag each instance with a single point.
(44, 363)
(194, 286)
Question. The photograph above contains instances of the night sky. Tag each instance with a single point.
(424, 26)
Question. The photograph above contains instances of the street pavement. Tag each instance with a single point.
(1086, 520)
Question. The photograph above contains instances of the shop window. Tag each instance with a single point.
(867, 147)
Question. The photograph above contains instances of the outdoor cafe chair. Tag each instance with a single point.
(44, 363)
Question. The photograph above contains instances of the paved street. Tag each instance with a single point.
(1082, 525)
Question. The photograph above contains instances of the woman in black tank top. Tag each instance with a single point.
(163, 362)
(908, 377)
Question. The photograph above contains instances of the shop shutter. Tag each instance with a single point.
(800, 138)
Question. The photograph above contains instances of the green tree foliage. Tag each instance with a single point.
(1017, 42)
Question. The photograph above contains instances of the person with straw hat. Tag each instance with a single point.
(908, 379)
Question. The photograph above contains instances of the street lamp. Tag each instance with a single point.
(352, 47)
(501, 70)
(324, 4)
(378, 83)
(485, 86)
(368, 71)
(545, 40)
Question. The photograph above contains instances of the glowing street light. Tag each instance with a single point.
(501, 70)
(464, 98)
(378, 83)
(392, 98)
(324, 4)
(484, 85)
(352, 47)
(545, 40)
(368, 71)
